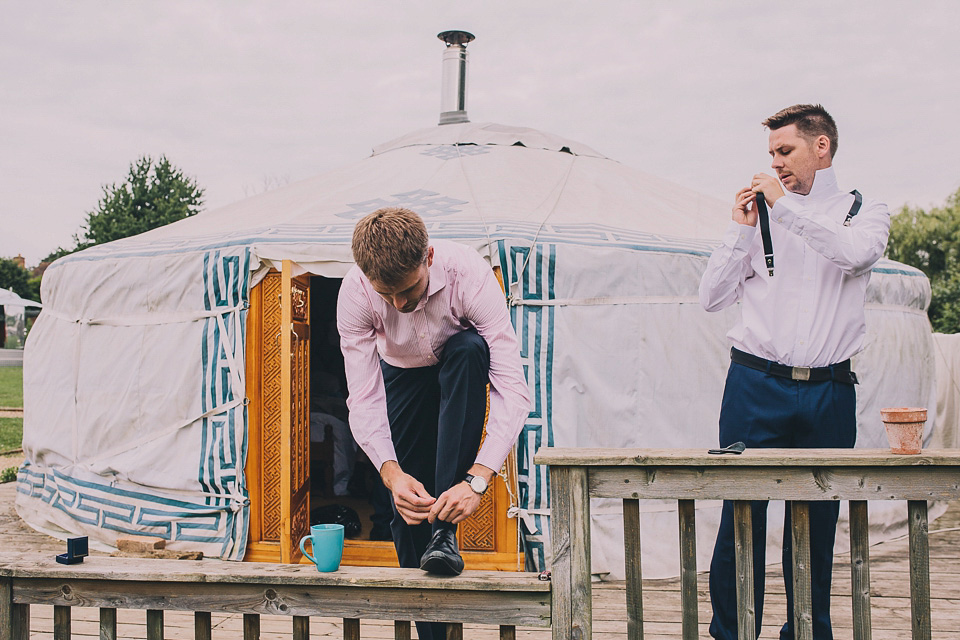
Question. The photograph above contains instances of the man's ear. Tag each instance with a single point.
(822, 146)
(429, 257)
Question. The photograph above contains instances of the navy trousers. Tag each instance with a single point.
(766, 411)
(436, 419)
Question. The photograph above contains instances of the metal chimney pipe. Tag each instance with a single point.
(453, 88)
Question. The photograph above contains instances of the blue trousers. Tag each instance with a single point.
(436, 419)
(767, 411)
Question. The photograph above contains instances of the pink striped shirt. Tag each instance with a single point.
(463, 292)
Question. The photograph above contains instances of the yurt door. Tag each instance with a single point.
(295, 413)
(278, 384)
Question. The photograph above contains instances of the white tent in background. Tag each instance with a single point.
(13, 317)
(10, 298)
(134, 372)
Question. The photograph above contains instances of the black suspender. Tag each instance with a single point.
(765, 232)
(855, 209)
(764, 219)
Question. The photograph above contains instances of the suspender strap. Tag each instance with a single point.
(855, 209)
(764, 218)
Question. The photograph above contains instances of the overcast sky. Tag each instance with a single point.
(244, 96)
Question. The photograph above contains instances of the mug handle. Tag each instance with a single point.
(304, 551)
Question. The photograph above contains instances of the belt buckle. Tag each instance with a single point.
(800, 373)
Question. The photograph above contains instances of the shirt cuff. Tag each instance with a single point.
(739, 236)
(493, 453)
(380, 451)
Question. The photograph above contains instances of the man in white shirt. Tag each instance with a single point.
(789, 382)
(424, 327)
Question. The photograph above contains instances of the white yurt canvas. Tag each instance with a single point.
(134, 372)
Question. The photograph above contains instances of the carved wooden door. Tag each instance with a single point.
(295, 413)
(278, 384)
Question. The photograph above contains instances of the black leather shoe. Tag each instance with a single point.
(442, 556)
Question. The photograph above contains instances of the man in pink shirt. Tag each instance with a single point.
(423, 329)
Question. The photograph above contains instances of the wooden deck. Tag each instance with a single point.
(889, 595)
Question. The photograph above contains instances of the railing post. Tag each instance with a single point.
(351, 629)
(919, 569)
(401, 630)
(632, 568)
(860, 570)
(108, 623)
(20, 624)
(686, 511)
(802, 593)
(570, 538)
(301, 627)
(6, 609)
(14, 618)
(743, 540)
(202, 625)
(251, 626)
(154, 624)
(61, 622)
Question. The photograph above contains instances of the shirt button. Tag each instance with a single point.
(422, 335)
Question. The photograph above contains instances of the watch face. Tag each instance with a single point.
(478, 484)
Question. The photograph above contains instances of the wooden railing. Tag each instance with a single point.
(506, 599)
(798, 475)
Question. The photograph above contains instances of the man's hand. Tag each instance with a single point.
(409, 495)
(744, 211)
(458, 503)
(769, 186)
(455, 505)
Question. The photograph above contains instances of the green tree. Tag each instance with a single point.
(930, 241)
(16, 279)
(154, 193)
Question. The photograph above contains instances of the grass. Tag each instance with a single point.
(11, 433)
(11, 387)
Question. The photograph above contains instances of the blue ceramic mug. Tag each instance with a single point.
(326, 541)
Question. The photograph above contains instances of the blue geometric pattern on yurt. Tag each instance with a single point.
(223, 442)
(341, 233)
(107, 507)
(535, 267)
(452, 151)
(427, 204)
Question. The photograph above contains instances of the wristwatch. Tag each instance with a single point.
(478, 484)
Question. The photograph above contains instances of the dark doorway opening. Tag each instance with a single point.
(345, 488)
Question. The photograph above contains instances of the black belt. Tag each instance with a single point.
(839, 372)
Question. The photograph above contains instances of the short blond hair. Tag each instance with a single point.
(390, 243)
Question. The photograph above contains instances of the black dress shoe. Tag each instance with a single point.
(442, 556)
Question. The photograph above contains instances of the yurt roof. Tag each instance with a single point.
(472, 182)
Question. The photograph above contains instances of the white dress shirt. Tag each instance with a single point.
(462, 293)
(810, 313)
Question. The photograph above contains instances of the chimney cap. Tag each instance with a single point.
(459, 38)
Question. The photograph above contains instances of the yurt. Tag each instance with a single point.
(171, 381)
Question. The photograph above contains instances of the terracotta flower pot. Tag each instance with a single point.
(904, 428)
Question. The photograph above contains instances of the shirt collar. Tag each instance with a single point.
(438, 274)
(438, 278)
(824, 185)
